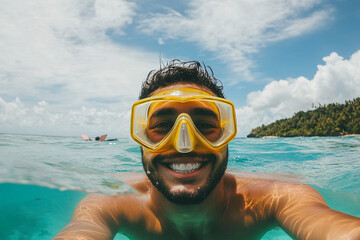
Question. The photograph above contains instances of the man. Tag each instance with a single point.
(183, 124)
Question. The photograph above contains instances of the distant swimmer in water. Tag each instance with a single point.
(184, 124)
(100, 139)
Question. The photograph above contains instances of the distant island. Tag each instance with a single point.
(326, 120)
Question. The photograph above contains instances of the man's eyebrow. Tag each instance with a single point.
(163, 112)
(204, 112)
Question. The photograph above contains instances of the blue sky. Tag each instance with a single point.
(76, 66)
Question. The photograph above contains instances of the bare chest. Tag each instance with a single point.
(225, 230)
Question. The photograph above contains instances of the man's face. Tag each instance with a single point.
(184, 178)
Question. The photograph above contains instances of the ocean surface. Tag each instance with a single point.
(42, 178)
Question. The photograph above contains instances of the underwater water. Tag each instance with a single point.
(42, 178)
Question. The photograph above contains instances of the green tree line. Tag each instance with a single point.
(326, 120)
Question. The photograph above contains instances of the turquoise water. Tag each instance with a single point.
(43, 177)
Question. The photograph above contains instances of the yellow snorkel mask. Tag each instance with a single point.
(183, 119)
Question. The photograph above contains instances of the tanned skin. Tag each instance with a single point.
(238, 207)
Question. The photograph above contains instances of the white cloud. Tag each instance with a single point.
(335, 81)
(60, 52)
(59, 67)
(234, 30)
(15, 117)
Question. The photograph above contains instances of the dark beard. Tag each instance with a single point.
(183, 197)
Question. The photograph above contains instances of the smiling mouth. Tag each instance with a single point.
(185, 168)
(183, 165)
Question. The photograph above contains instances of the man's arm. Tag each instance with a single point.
(93, 218)
(303, 213)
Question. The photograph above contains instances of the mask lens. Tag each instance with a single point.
(160, 122)
(207, 122)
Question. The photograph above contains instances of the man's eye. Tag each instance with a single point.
(162, 126)
(205, 126)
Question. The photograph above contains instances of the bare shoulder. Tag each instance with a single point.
(101, 202)
(139, 181)
(273, 185)
(97, 206)
(269, 195)
(99, 216)
(116, 208)
(296, 207)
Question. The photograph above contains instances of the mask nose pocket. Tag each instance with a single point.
(184, 143)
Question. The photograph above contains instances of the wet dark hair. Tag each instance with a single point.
(177, 71)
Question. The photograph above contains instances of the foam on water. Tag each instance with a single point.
(67, 163)
(325, 162)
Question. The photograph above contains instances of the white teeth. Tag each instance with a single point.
(185, 168)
